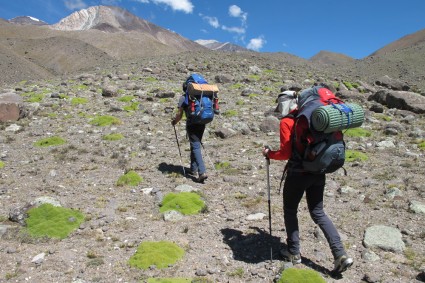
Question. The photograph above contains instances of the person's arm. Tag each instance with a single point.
(285, 150)
(178, 116)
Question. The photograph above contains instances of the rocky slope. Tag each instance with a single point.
(226, 243)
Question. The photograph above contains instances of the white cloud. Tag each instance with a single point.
(238, 30)
(212, 21)
(75, 4)
(177, 5)
(236, 11)
(111, 2)
(256, 43)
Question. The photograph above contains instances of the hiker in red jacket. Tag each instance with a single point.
(296, 183)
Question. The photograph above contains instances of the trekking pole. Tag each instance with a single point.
(178, 145)
(209, 159)
(268, 201)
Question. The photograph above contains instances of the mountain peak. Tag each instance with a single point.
(27, 20)
(107, 18)
(216, 45)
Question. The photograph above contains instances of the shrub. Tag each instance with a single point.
(52, 221)
(52, 141)
(161, 254)
(131, 178)
(296, 275)
(186, 203)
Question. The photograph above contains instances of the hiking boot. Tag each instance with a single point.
(342, 264)
(295, 259)
(202, 177)
(191, 172)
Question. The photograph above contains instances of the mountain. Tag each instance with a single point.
(27, 20)
(408, 41)
(114, 19)
(331, 58)
(105, 35)
(87, 39)
(226, 46)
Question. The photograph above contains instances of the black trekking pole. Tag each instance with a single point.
(268, 201)
(178, 145)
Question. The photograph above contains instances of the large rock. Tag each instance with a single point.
(10, 107)
(392, 83)
(385, 238)
(403, 100)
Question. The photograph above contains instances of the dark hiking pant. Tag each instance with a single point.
(195, 133)
(293, 191)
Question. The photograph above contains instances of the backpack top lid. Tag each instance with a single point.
(311, 98)
(196, 78)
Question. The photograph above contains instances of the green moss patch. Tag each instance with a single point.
(187, 203)
(421, 145)
(357, 132)
(52, 221)
(52, 141)
(132, 107)
(169, 280)
(161, 254)
(352, 155)
(105, 120)
(131, 178)
(113, 137)
(1, 164)
(222, 165)
(79, 100)
(296, 275)
(230, 113)
(126, 98)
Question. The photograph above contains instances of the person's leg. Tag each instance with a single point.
(314, 196)
(293, 191)
(195, 137)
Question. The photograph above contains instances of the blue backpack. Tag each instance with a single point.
(201, 100)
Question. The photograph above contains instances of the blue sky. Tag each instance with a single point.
(356, 28)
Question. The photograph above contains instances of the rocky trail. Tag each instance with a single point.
(378, 208)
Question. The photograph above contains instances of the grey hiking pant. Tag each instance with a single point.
(313, 185)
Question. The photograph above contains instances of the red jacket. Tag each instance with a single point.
(286, 127)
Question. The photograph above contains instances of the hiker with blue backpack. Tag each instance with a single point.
(311, 154)
(199, 103)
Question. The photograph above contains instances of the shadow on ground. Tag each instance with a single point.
(166, 168)
(254, 247)
(259, 247)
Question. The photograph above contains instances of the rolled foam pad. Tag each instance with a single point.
(331, 118)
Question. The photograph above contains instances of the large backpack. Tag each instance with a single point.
(325, 147)
(201, 99)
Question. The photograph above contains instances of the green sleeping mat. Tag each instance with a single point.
(331, 118)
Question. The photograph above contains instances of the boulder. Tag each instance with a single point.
(11, 106)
